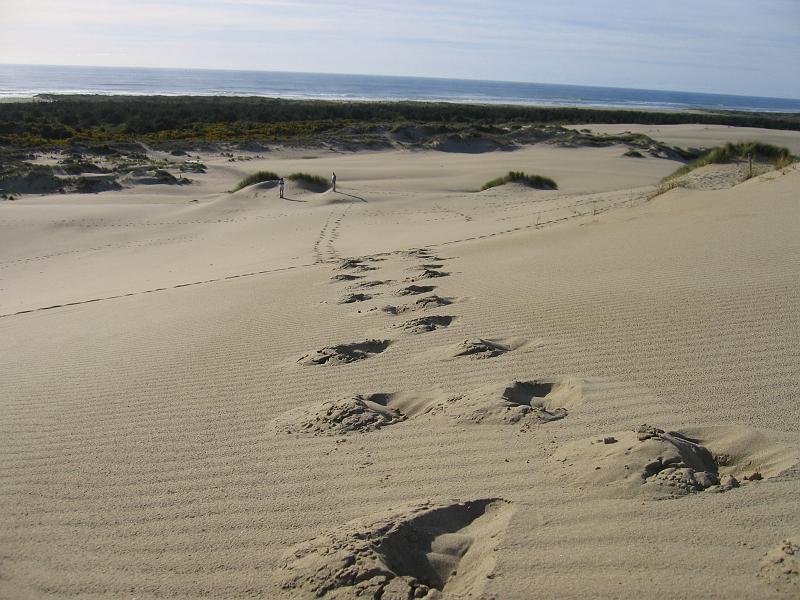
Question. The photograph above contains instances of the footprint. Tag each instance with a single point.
(350, 298)
(529, 403)
(424, 266)
(345, 353)
(426, 324)
(358, 413)
(371, 284)
(539, 399)
(430, 274)
(480, 348)
(421, 304)
(413, 290)
(655, 463)
(354, 264)
(432, 301)
(346, 277)
(343, 416)
(781, 568)
(408, 553)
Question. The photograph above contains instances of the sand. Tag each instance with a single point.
(405, 389)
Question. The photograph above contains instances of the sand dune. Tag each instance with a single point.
(189, 410)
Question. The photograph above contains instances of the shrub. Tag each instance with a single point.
(535, 181)
(257, 177)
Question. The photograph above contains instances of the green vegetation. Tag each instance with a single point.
(256, 177)
(633, 153)
(313, 182)
(96, 121)
(757, 151)
(535, 181)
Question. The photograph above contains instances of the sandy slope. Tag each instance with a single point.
(244, 436)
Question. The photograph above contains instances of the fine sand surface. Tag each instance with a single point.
(406, 388)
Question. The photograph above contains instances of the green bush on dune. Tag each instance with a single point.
(257, 177)
(777, 155)
(310, 181)
(535, 181)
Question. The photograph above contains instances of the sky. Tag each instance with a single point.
(720, 46)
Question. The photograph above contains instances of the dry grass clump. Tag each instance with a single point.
(535, 181)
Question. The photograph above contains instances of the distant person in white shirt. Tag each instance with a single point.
(281, 185)
(333, 181)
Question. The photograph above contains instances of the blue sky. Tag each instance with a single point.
(724, 46)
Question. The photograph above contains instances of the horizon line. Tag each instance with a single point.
(429, 77)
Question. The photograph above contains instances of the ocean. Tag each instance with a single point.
(28, 80)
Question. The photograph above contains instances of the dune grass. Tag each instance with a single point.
(779, 156)
(309, 181)
(535, 181)
(633, 153)
(256, 177)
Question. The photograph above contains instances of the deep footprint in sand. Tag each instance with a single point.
(427, 302)
(415, 551)
(351, 298)
(432, 301)
(344, 353)
(535, 399)
(346, 277)
(429, 274)
(358, 413)
(354, 264)
(427, 324)
(413, 290)
(338, 417)
(527, 403)
(480, 348)
(371, 284)
(656, 463)
(780, 567)
(424, 266)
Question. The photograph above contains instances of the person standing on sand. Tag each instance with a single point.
(333, 181)
(281, 185)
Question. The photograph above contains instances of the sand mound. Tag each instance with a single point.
(344, 353)
(350, 298)
(411, 552)
(781, 568)
(338, 417)
(426, 324)
(413, 290)
(652, 462)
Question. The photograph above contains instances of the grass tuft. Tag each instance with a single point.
(314, 182)
(633, 153)
(777, 155)
(257, 177)
(535, 181)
